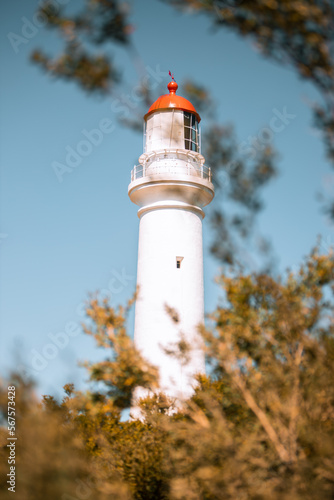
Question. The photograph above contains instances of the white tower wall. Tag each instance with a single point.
(165, 236)
(165, 129)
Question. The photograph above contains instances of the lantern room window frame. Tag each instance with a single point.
(191, 132)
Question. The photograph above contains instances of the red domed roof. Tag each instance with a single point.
(172, 100)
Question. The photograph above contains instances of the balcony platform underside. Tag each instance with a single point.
(193, 190)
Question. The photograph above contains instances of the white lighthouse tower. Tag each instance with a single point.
(171, 186)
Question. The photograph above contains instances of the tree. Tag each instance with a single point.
(259, 426)
(271, 350)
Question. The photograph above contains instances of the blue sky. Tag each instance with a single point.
(61, 241)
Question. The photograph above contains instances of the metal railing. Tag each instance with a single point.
(140, 171)
(176, 162)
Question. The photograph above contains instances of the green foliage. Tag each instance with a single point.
(125, 369)
(238, 179)
(296, 33)
(99, 22)
(259, 426)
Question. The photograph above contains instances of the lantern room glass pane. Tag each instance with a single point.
(191, 136)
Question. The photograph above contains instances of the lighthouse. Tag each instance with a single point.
(171, 185)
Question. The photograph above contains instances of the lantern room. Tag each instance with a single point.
(172, 122)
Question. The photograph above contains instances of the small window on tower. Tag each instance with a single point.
(178, 262)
